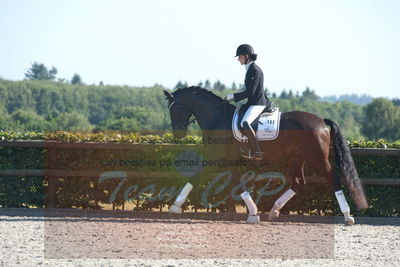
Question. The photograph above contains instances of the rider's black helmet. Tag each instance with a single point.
(244, 49)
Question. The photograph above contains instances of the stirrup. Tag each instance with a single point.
(247, 154)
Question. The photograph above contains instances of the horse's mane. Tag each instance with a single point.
(197, 90)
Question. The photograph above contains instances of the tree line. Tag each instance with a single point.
(44, 103)
(38, 71)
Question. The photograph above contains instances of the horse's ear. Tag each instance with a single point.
(168, 95)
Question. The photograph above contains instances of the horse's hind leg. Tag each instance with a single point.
(334, 181)
(316, 153)
(296, 173)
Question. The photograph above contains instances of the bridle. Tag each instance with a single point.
(182, 126)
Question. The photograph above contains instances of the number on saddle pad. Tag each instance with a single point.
(266, 125)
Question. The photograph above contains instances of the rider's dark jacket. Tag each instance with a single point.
(254, 83)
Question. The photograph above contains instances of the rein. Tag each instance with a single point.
(223, 103)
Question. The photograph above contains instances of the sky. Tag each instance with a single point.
(333, 47)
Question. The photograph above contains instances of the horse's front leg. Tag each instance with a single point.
(296, 174)
(245, 195)
(177, 206)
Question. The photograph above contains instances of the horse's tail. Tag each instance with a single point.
(345, 164)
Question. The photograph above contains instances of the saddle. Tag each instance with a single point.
(266, 125)
(266, 112)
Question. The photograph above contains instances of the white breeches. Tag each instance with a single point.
(251, 114)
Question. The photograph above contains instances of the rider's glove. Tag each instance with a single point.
(230, 97)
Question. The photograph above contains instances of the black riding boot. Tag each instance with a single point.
(255, 150)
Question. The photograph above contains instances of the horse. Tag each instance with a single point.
(303, 138)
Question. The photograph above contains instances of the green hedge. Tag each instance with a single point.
(88, 193)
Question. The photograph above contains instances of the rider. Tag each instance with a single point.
(257, 101)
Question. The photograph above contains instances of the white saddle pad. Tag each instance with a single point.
(268, 129)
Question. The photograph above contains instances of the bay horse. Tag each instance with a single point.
(303, 137)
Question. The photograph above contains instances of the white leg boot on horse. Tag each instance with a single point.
(279, 203)
(251, 206)
(344, 207)
(176, 207)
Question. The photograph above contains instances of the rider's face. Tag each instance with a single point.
(242, 59)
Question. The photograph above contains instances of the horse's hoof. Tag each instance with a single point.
(350, 221)
(253, 219)
(273, 214)
(175, 209)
